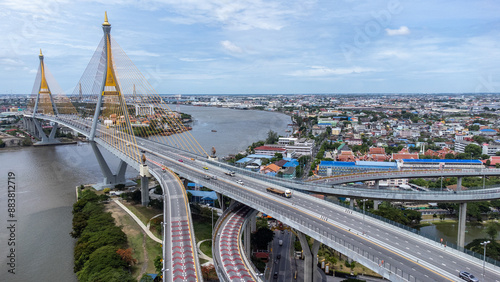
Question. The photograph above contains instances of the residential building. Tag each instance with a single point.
(270, 151)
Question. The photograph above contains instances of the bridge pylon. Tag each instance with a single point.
(44, 102)
(110, 106)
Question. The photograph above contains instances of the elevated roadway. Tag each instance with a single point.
(405, 173)
(179, 251)
(327, 185)
(394, 253)
(230, 261)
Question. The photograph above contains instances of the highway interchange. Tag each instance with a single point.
(392, 252)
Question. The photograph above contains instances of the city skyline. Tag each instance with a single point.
(263, 47)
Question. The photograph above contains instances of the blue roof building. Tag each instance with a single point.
(329, 168)
(203, 197)
(191, 184)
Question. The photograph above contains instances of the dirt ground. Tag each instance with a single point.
(132, 230)
(119, 214)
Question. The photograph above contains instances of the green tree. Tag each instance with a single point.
(27, 141)
(449, 156)
(492, 228)
(158, 264)
(473, 127)
(146, 278)
(492, 249)
(262, 237)
(103, 262)
(272, 137)
(474, 150)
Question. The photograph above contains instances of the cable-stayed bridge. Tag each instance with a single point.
(114, 107)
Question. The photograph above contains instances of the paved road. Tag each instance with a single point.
(181, 259)
(387, 250)
(226, 247)
(283, 264)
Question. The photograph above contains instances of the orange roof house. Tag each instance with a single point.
(271, 168)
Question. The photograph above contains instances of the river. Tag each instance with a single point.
(46, 177)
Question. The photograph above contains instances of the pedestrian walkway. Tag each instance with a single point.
(149, 222)
(203, 256)
(150, 234)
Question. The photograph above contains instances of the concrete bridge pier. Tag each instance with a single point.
(253, 222)
(462, 216)
(44, 138)
(250, 227)
(310, 254)
(376, 202)
(110, 179)
(27, 124)
(247, 233)
(223, 207)
(144, 191)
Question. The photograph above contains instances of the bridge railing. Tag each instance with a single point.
(297, 185)
(418, 232)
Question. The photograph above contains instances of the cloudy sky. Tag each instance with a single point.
(262, 46)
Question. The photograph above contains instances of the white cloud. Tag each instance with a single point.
(237, 14)
(228, 45)
(403, 30)
(325, 71)
(142, 53)
(195, 60)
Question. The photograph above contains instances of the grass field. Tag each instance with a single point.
(202, 228)
(206, 248)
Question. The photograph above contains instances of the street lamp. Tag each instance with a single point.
(484, 256)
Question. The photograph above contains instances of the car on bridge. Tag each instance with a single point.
(467, 276)
(239, 181)
(206, 168)
(181, 160)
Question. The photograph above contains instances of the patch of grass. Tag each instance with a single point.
(135, 239)
(202, 261)
(135, 242)
(202, 228)
(143, 213)
(153, 250)
(206, 248)
(437, 222)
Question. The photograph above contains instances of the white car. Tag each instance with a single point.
(239, 181)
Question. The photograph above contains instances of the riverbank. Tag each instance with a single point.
(144, 249)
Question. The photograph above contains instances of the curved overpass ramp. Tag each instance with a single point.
(415, 173)
(179, 253)
(394, 253)
(230, 261)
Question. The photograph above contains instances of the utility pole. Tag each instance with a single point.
(484, 256)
